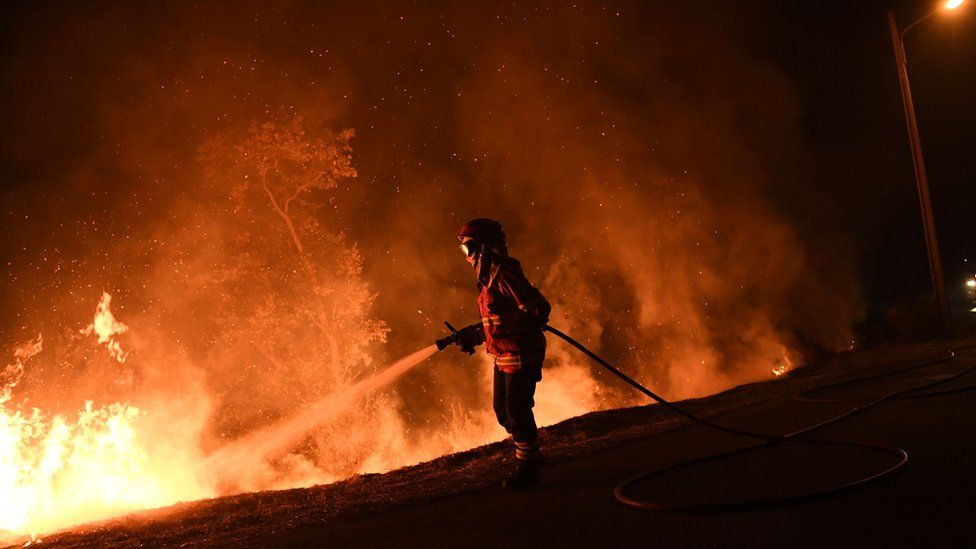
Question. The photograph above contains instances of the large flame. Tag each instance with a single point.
(62, 469)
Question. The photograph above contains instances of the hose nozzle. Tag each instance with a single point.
(444, 342)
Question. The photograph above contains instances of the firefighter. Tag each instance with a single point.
(513, 313)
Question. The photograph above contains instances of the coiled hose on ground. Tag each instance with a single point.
(799, 437)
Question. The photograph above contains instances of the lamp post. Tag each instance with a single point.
(921, 180)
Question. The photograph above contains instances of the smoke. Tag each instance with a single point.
(645, 161)
(643, 166)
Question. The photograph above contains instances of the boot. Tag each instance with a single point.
(526, 474)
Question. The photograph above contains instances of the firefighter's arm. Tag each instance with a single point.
(533, 309)
(470, 337)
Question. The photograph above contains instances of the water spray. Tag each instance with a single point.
(237, 458)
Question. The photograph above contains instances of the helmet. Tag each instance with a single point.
(481, 240)
(485, 232)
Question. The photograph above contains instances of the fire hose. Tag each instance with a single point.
(766, 440)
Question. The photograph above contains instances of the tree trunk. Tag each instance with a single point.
(284, 215)
(336, 360)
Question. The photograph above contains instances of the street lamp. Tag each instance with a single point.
(921, 180)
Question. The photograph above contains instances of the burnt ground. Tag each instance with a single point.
(456, 500)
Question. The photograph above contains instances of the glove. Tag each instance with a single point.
(470, 337)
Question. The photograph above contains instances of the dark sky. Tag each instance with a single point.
(840, 57)
(82, 86)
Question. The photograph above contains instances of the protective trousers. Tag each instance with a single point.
(513, 402)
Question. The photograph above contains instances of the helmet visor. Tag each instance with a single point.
(469, 248)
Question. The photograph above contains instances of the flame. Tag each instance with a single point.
(58, 470)
(12, 374)
(29, 349)
(782, 364)
(106, 327)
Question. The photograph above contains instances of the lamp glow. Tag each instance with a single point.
(953, 4)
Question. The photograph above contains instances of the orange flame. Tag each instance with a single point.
(782, 364)
(57, 470)
(106, 327)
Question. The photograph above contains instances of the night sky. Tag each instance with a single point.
(87, 91)
(841, 60)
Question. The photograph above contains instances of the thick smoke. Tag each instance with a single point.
(638, 156)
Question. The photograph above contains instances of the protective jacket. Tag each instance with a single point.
(513, 312)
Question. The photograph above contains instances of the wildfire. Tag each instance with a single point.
(106, 328)
(57, 470)
(104, 460)
(782, 364)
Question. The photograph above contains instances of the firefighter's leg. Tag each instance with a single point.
(499, 396)
(519, 400)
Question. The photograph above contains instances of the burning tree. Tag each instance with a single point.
(286, 303)
(280, 162)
